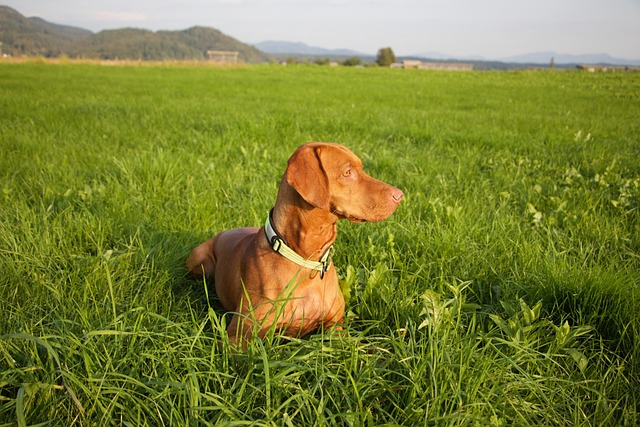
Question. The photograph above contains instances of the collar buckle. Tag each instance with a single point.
(279, 245)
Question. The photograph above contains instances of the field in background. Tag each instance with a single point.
(503, 291)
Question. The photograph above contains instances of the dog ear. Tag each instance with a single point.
(307, 176)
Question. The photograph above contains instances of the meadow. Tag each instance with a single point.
(505, 290)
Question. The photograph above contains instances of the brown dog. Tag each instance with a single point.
(281, 275)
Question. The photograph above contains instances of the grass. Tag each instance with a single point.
(503, 291)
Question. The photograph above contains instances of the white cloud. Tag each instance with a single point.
(109, 16)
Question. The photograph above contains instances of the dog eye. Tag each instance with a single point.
(346, 173)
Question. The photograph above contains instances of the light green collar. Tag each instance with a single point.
(278, 244)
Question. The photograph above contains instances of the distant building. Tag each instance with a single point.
(606, 68)
(446, 66)
(223, 56)
(411, 63)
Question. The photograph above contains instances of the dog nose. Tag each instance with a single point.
(397, 195)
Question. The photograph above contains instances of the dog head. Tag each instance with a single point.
(329, 176)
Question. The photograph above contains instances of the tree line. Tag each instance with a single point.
(384, 58)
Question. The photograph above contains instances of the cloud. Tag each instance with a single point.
(110, 16)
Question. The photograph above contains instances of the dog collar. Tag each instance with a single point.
(278, 244)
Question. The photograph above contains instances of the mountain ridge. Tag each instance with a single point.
(541, 58)
(280, 47)
(564, 58)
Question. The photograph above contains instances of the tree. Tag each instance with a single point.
(385, 57)
(352, 61)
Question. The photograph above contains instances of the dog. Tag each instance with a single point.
(280, 275)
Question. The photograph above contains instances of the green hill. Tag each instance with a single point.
(21, 36)
(190, 44)
(34, 36)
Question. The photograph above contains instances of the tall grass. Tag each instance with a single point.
(504, 290)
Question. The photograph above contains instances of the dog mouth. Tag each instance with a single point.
(352, 218)
(355, 219)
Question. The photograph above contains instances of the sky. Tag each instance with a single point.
(491, 29)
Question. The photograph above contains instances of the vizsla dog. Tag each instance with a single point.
(280, 275)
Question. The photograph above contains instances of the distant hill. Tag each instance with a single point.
(296, 48)
(21, 36)
(559, 58)
(193, 43)
(444, 56)
(35, 36)
(537, 58)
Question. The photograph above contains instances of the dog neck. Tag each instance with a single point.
(308, 230)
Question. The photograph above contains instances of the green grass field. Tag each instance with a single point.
(505, 290)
